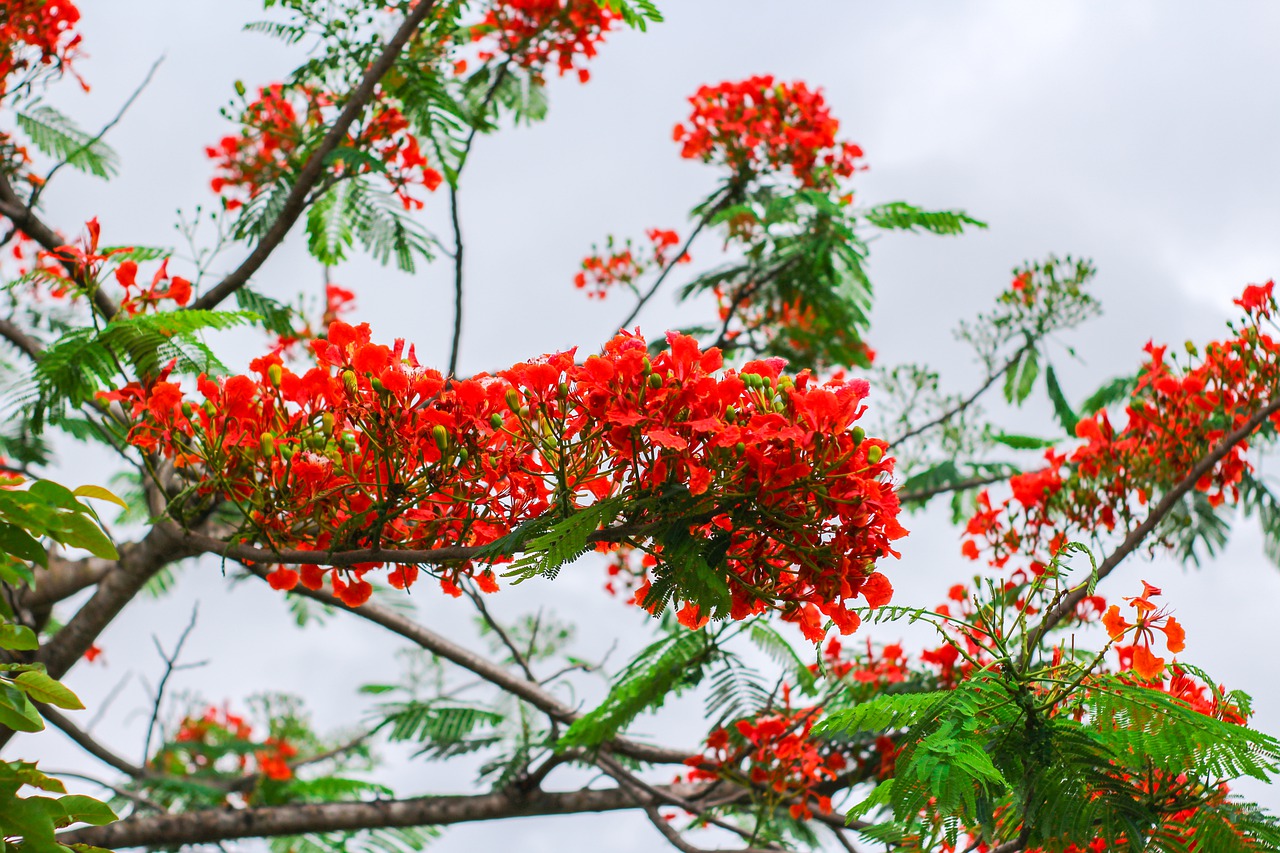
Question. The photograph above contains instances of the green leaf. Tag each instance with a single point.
(17, 542)
(16, 710)
(1022, 442)
(653, 675)
(80, 531)
(898, 215)
(40, 687)
(1021, 377)
(81, 809)
(101, 494)
(1112, 391)
(18, 637)
(1066, 415)
(56, 135)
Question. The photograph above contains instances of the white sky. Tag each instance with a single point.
(1141, 134)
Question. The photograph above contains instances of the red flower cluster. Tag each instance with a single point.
(624, 265)
(775, 753)
(279, 124)
(758, 126)
(1149, 619)
(338, 301)
(35, 33)
(888, 665)
(176, 288)
(202, 741)
(537, 34)
(1176, 415)
(369, 448)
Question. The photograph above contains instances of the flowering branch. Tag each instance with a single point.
(1067, 605)
(296, 202)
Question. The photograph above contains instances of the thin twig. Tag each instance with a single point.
(106, 128)
(662, 276)
(170, 666)
(967, 401)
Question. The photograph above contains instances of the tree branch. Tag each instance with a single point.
(313, 170)
(340, 559)
(212, 825)
(529, 691)
(967, 401)
(1067, 605)
(30, 347)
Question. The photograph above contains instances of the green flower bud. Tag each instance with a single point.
(731, 414)
(348, 441)
(875, 454)
(275, 373)
(646, 366)
(209, 408)
(441, 436)
(463, 455)
(288, 451)
(326, 423)
(779, 406)
(655, 381)
(349, 380)
(240, 89)
(496, 420)
(741, 447)
(377, 385)
(267, 444)
(187, 408)
(859, 434)
(513, 400)
(316, 442)
(564, 389)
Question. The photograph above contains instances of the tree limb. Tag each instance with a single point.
(212, 825)
(1067, 605)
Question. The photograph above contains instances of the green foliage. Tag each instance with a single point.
(443, 728)
(1111, 392)
(36, 818)
(1067, 416)
(549, 544)
(54, 134)
(42, 510)
(900, 216)
(274, 316)
(1020, 378)
(85, 361)
(635, 13)
(662, 670)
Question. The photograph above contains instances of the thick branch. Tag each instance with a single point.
(1068, 604)
(296, 202)
(212, 825)
(30, 347)
(433, 556)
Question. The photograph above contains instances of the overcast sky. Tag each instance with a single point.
(1140, 134)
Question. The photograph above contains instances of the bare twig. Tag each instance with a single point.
(170, 667)
(964, 404)
(98, 137)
